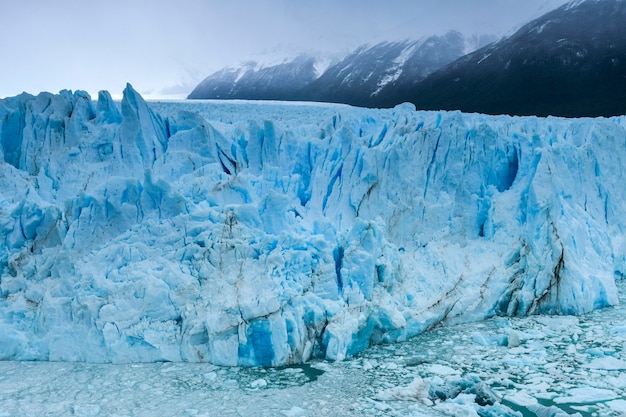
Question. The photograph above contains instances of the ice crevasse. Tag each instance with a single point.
(135, 235)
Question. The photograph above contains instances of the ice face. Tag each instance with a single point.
(292, 232)
(560, 366)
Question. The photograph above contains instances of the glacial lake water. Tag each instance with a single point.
(558, 364)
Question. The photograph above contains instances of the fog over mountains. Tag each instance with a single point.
(568, 62)
(364, 77)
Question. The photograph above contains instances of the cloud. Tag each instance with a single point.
(156, 43)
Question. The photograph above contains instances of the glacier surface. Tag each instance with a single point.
(268, 234)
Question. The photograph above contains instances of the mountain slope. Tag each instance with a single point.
(362, 78)
(569, 62)
(274, 82)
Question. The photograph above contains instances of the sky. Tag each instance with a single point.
(166, 47)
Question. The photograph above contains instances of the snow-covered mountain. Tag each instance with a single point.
(371, 74)
(265, 82)
(265, 234)
(569, 62)
(361, 78)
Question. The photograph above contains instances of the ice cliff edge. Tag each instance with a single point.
(133, 236)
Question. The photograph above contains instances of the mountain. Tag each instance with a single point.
(364, 77)
(569, 62)
(156, 232)
(254, 82)
(361, 78)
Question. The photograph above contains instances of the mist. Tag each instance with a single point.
(163, 47)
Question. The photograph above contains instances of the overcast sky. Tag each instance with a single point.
(49, 45)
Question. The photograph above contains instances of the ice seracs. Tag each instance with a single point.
(133, 235)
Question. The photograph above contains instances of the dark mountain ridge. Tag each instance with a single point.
(358, 79)
(275, 82)
(570, 62)
(365, 76)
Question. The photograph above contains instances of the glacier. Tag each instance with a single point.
(269, 234)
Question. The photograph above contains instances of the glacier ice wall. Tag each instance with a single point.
(135, 235)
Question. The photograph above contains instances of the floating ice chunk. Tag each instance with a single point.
(417, 390)
(470, 385)
(608, 363)
(258, 383)
(585, 395)
(485, 339)
(295, 411)
(552, 411)
(462, 406)
(619, 331)
(438, 369)
(513, 339)
(617, 406)
(521, 398)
